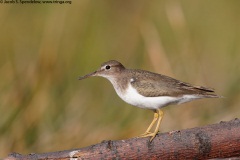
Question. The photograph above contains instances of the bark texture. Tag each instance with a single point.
(214, 141)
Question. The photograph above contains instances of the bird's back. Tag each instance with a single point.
(151, 84)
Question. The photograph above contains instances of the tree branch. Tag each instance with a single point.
(220, 140)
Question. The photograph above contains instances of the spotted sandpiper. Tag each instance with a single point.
(149, 90)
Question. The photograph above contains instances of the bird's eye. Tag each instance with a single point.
(107, 67)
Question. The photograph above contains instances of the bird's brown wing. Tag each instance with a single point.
(154, 85)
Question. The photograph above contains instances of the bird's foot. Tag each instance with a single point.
(149, 134)
(146, 134)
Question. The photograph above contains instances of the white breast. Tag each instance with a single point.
(131, 96)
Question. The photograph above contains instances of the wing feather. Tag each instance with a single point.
(154, 85)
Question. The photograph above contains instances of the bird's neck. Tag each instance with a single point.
(120, 83)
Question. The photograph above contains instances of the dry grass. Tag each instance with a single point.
(44, 48)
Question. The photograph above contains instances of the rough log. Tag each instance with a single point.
(214, 141)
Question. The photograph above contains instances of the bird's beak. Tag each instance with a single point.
(88, 75)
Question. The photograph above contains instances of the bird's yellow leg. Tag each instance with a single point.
(147, 132)
(160, 114)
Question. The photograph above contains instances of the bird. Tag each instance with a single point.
(148, 90)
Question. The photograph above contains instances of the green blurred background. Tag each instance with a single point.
(44, 48)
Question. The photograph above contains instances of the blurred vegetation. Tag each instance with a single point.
(44, 48)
